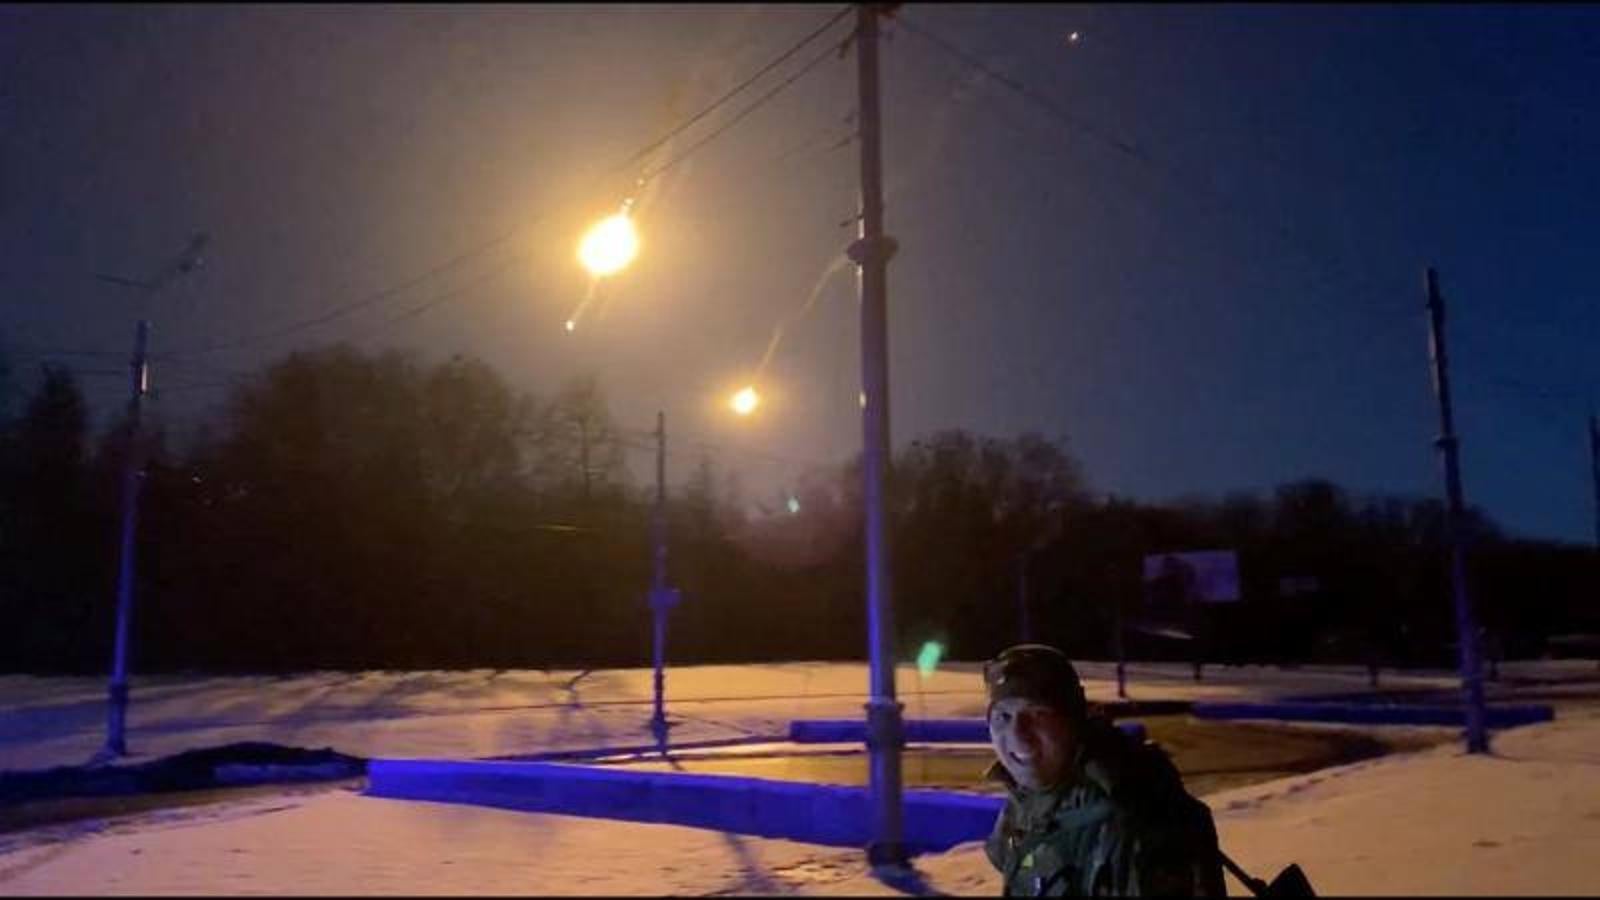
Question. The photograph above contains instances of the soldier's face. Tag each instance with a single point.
(1033, 741)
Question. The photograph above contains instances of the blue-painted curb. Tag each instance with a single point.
(921, 731)
(819, 814)
(1374, 714)
(633, 749)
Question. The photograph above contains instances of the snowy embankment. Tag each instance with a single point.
(1524, 820)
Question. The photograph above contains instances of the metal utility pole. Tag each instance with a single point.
(132, 479)
(132, 476)
(662, 598)
(1197, 652)
(1121, 648)
(1466, 627)
(871, 252)
(583, 453)
(1594, 472)
(1024, 625)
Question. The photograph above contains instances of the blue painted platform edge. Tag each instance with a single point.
(1375, 714)
(831, 815)
(635, 749)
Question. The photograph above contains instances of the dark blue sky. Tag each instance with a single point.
(1240, 307)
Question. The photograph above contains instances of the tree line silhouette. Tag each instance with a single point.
(346, 510)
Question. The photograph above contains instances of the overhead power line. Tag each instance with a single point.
(183, 388)
(1038, 99)
(640, 439)
(1561, 394)
(19, 351)
(344, 310)
(389, 293)
(783, 57)
(741, 114)
(483, 277)
(440, 299)
(1174, 178)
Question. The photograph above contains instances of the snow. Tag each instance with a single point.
(1524, 820)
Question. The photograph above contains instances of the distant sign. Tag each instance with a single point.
(1298, 585)
(1197, 576)
(663, 598)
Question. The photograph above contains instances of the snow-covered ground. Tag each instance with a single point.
(1524, 820)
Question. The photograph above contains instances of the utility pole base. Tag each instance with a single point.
(888, 856)
(885, 739)
(116, 728)
(1477, 738)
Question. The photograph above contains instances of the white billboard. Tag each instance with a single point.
(1199, 576)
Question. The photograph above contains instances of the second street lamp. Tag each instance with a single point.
(662, 598)
(608, 247)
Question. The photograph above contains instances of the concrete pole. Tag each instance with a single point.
(132, 476)
(1594, 472)
(1024, 622)
(1449, 447)
(871, 252)
(658, 585)
(1121, 627)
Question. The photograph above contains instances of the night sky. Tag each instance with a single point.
(1234, 302)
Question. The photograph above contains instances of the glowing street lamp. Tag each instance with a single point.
(745, 401)
(609, 245)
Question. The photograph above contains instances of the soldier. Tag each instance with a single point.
(1091, 812)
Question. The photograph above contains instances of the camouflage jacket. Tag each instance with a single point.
(1121, 825)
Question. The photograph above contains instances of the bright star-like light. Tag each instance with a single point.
(794, 506)
(609, 246)
(745, 401)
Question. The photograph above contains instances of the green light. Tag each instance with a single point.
(928, 658)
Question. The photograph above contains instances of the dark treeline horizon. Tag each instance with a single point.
(374, 511)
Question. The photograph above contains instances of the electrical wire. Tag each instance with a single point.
(203, 368)
(99, 373)
(1559, 394)
(839, 140)
(642, 441)
(1128, 149)
(652, 146)
(390, 292)
(25, 350)
(185, 387)
(486, 276)
(343, 310)
(741, 114)
(1043, 102)
(440, 299)
(1565, 427)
